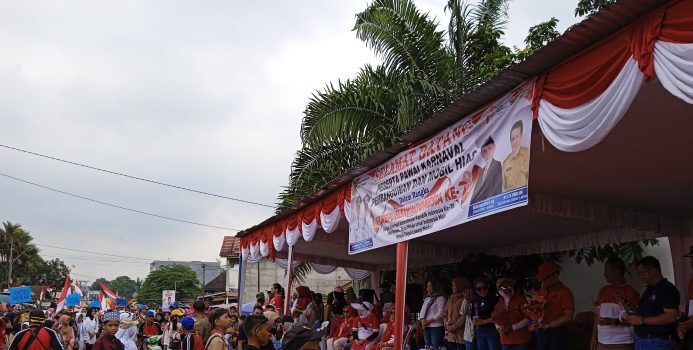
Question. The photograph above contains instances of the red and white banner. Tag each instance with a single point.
(63, 295)
(476, 167)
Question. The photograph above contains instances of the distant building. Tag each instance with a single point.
(210, 269)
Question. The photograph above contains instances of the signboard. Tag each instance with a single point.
(95, 304)
(477, 167)
(121, 302)
(168, 297)
(20, 295)
(72, 299)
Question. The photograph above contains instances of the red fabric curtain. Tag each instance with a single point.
(587, 75)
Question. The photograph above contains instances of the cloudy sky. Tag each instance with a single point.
(206, 95)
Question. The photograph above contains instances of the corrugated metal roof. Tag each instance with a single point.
(590, 31)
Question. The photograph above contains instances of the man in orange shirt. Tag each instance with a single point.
(558, 309)
(614, 303)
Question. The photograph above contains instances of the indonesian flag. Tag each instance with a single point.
(107, 291)
(63, 295)
(78, 288)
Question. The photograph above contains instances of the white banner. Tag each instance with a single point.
(168, 297)
(477, 167)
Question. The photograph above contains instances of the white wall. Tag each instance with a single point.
(585, 281)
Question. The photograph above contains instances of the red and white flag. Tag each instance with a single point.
(63, 295)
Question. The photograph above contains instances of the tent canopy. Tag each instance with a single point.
(633, 184)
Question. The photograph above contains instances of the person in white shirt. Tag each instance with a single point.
(432, 314)
(91, 327)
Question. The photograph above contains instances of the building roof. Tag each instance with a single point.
(216, 284)
(579, 37)
(231, 247)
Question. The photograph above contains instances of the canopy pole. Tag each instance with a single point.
(289, 277)
(400, 292)
(241, 282)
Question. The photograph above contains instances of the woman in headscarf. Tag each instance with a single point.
(454, 322)
(67, 334)
(510, 318)
(127, 331)
(91, 328)
(432, 315)
(301, 304)
(335, 304)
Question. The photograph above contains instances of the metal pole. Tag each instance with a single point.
(9, 270)
(400, 292)
(241, 281)
(204, 266)
(289, 276)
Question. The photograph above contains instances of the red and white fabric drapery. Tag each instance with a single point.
(580, 101)
(325, 214)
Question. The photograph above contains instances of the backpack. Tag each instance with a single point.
(197, 342)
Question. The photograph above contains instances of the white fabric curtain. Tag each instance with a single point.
(323, 269)
(254, 250)
(264, 249)
(577, 129)
(279, 242)
(330, 221)
(309, 230)
(673, 65)
(245, 253)
(292, 235)
(356, 274)
(254, 260)
(283, 263)
(347, 211)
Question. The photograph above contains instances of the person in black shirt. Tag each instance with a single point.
(483, 304)
(655, 321)
(256, 328)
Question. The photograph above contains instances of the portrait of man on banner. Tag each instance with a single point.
(489, 179)
(516, 164)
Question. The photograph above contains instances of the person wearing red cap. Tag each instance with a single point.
(510, 318)
(614, 301)
(558, 309)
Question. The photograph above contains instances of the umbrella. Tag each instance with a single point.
(247, 309)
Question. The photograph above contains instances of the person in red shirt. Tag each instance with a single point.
(558, 308)
(614, 303)
(342, 328)
(108, 341)
(387, 341)
(509, 316)
(36, 337)
(365, 328)
(277, 298)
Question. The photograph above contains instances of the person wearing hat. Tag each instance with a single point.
(302, 338)
(509, 317)
(558, 308)
(614, 301)
(111, 324)
(36, 337)
(189, 339)
(256, 329)
(174, 324)
(365, 328)
(150, 328)
(488, 180)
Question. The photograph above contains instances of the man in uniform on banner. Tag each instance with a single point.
(488, 181)
(516, 164)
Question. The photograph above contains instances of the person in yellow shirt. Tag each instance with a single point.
(516, 164)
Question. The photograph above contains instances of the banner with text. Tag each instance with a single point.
(168, 297)
(477, 167)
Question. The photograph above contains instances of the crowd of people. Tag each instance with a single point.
(475, 315)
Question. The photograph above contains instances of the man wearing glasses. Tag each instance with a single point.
(558, 308)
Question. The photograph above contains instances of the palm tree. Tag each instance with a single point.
(25, 258)
(420, 74)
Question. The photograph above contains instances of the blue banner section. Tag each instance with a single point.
(72, 299)
(361, 245)
(499, 201)
(95, 304)
(121, 302)
(20, 295)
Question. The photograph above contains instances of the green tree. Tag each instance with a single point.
(26, 261)
(178, 277)
(587, 7)
(51, 272)
(123, 286)
(96, 286)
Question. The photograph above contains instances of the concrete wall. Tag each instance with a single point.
(585, 281)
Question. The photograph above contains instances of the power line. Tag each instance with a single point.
(118, 206)
(137, 178)
(91, 252)
(90, 260)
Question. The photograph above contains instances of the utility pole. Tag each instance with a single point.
(204, 266)
(9, 269)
